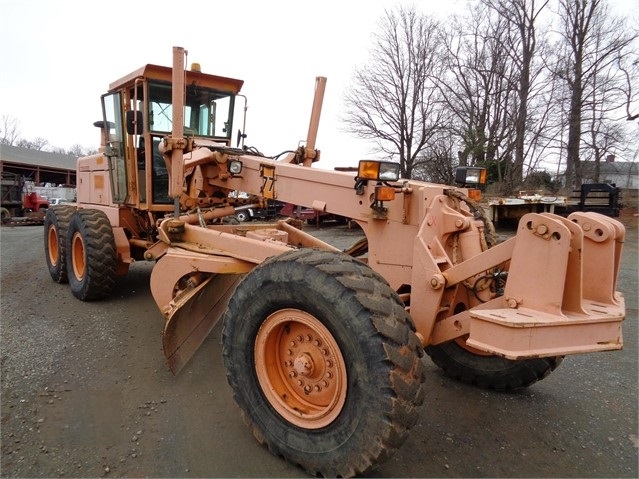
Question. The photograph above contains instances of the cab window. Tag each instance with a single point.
(207, 112)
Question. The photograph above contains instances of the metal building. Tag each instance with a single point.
(41, 167)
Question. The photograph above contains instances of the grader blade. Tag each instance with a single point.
(193, 316)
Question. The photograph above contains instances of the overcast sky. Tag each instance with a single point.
(58, 57)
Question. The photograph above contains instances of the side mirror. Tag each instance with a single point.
(134, 122)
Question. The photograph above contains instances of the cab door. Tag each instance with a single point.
(115, 147)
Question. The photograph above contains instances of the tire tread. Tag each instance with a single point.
(480, 371)
(401, 354)
(58, 217)
(96, 230)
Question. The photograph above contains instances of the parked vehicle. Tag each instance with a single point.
(311, 216)
(271, 211)
(19, 203)
(58, 201)
(323, 348)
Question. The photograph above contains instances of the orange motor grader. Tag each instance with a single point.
(323, 348)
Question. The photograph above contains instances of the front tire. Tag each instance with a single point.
(91, 256)
(323, 362)
(488, 371)
(481, 369)
(56, 224)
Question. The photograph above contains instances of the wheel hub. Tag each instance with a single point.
(303, 365)
(300, 368)
(311, 366)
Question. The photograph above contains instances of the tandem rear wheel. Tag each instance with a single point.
(90, 254)
(56, 224)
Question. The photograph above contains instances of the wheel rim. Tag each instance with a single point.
(300, 368)
(77, 256)
(53, 246)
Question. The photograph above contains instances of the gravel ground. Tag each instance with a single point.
(85, 393)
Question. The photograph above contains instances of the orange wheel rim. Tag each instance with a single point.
(300, 368)
(77, 255)
(52, 246)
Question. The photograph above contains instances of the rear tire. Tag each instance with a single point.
(489, 371)
(91, 256)
(332, 323)
(56, 225)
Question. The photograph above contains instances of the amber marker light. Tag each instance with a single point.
(384, 193)
(474, 194)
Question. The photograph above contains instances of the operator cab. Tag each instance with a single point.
(138, 115)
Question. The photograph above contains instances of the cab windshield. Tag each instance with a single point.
(207, 112)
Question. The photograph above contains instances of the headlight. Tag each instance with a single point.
(378, 170)
(235, 167)
(470, 175)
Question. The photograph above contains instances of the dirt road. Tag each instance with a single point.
(85, 393)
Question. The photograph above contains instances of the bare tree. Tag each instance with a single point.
(602, 133)
(521, 44)
(593, 41)
(629, 70)
(59, 150)
(496, 88)
(437, 161)
(9, 130)
(392, 100)
(476, 88)
(77, 150)
(37, 143)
